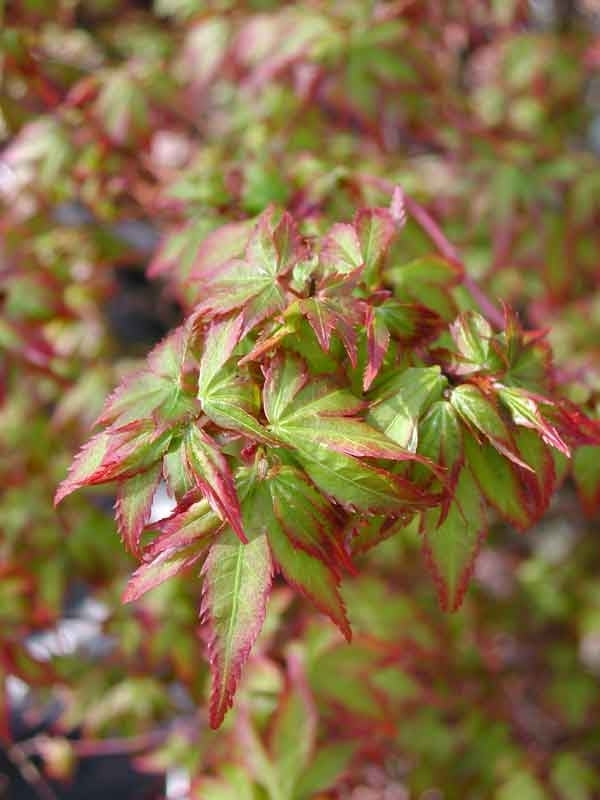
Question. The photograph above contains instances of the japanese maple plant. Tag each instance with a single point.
(321, 395)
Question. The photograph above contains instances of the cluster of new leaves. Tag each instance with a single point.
(319, 396)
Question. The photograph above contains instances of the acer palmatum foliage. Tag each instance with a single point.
(321, 388)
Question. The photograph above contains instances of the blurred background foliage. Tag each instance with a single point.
(130, 130)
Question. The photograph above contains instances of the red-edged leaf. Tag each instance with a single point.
(310, 576)
(481, 415)
(318, 416)
(378, 340)
(166, 564)
(134, 501)
(232, 401)
(525, 411)
(252, 284)
(472, 335)
(237, 580)
(574, 426)
(451, 547)
(221, 245)
(114, 454)
(307, 518)
(586, 473)
(341, 251)
(155, 392)
(410, 323)
(328, 316)
(210, 470)
(375, 229)
(195, 525)
(221, 339)
(441, 440)
(499, 481)
(356, 486)
(399, 403)
(85, 466)
(540, 482)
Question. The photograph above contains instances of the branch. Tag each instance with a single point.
(424, 219)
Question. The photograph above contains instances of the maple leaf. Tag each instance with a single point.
(318, 420)
(183, 540)
(237, 579)
(481, 415)
(409, 324)
(451, 541)
(133, 505)
(253, 285)
(227, 394)
(402, 399)
(115, 454)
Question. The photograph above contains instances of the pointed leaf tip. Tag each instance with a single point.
(237, 580)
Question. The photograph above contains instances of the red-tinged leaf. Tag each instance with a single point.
(328, 316)
(221, 245)
(472, 334)
(402, 400)
(268, 340)
(85, 466)
(293, 733)
(133, 505)
(450, 548)
(307, 518)
(157, 390)
(539, 483)
(166, 564)
(358, 487)
(221, 340)
(499, 481)
(441, 441)
(179, 481)
(586, 474)
(525, 411)
(168, 358)
(341, 251)
(574, 426)
(410, 323)
(378, 340)
(237, 580)
(310, 576)
(139, 395)
(252, 284)
(289, 395)
(480, 414)
(317, 416)
(375, 228)
(196, 525)
(232, 400)
(211, 472)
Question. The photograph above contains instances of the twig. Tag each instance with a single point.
(424, 219)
